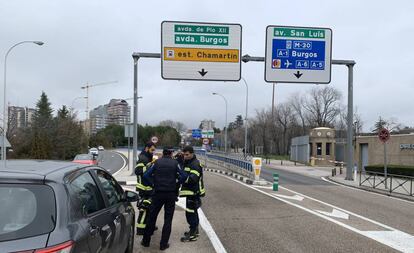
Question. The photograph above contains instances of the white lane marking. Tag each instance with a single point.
(394, 238)
(263, 187)
(123, 166)
(295, 197)
(335, 213)
(403, 242)
(205, 224)
(374, 193)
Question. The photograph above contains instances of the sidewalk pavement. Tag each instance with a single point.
(326, 172)
(400, 187)
(299, 168)
(179, 225)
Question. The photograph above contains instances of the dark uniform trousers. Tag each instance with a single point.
(191, 212)
(160, 199)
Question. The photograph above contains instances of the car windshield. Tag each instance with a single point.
(83, 157)
(26, 211)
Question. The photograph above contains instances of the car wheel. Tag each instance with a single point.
(130, 248)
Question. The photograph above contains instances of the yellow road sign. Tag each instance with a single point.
(201, 54)
(257, 161)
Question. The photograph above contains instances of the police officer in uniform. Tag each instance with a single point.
(192, 189)
(143, 187)
(165, 174)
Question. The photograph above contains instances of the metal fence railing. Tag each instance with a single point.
(392, 183)
(235, 164)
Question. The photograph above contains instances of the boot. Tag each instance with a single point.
(197, 233)
(189, 237)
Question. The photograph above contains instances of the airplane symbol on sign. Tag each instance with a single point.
(287, 63)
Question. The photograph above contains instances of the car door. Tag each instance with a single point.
(121, 211)
(96, 218)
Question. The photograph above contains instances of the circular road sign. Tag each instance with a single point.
(154, 139)
(384, 135)
(206, 141)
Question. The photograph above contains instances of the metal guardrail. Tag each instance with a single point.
(393, 183)
(243, 166)
(239, 156)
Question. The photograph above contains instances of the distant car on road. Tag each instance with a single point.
(85, 159)
(63, 207)
(94, 151)
(101, 148)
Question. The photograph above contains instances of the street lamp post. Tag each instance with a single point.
(245, 117)
(4, 149)
(225, 129)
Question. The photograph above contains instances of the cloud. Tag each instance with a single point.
(92, 41)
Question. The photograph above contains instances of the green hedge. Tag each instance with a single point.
(392, 169)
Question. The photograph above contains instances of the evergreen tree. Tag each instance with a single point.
(43, 115)
(380, 124)
(42, 130)
(63, 113)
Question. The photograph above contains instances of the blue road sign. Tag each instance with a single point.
(298, 54)
(196, 133)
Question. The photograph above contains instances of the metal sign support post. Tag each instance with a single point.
(247, 58)
(350, 132)
(135, 134)
(136, 57)
(129, 156)
(350, 64)
(385, 165)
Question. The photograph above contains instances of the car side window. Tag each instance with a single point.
(111, 188)
(86, 191)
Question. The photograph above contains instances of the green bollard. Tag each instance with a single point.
(275, 182)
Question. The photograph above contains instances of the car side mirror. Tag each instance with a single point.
(130, 196)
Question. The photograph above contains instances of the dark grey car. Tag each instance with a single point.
(62, 207)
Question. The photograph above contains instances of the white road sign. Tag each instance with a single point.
(298, 54)
(154, 139)
(200, 51)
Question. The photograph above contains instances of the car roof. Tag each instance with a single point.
(36, 170)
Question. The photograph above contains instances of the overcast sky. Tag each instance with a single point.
(92, 41)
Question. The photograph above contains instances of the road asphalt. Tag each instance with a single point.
(392, 212)
(248, 221)
(328, 218)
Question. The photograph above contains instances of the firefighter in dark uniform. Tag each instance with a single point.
(165, 174)
(192, 189)
(144, 188)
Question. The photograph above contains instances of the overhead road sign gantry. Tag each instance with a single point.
(298, 54)
(200, 51)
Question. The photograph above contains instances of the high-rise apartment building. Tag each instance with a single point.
(19, 117)
(116, 112)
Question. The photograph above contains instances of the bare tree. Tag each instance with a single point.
(297, 101)
(179, 126)
(391, 124)
(323, 106)
(286, 119)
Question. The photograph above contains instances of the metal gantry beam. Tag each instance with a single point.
(247, 58)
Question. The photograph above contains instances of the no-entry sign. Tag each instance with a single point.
(384, 135)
